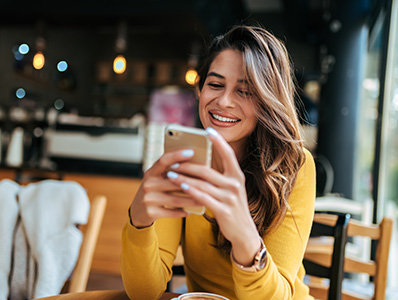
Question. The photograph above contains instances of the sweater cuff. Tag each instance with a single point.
(144, 237)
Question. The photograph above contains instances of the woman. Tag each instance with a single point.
(259, 192)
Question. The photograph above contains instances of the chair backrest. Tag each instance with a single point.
(377, 267)
(79, 278)
(361, 210)
(334, 229)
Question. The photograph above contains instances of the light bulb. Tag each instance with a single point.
(38, 60)
(190, 76)
(119, 64)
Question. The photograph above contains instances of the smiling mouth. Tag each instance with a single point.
(223, 119)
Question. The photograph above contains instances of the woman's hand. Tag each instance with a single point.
(154, 199)
(225, 195)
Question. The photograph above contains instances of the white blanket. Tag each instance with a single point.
(46, 240)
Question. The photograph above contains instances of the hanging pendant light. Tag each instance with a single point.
(120, 63)
(39, 59)
(191, 75)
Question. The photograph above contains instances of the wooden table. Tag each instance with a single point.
(103, 295)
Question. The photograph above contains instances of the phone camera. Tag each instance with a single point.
(170, 133)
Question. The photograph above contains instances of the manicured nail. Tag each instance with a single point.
(184, 186)
(211, 131)
(187, 153)
(172, 175)
(175, 166)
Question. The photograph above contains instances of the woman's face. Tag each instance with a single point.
(225, 101)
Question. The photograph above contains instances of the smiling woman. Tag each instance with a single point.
(225, 102)
(259, 191)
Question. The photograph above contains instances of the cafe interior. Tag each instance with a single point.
(87, 88)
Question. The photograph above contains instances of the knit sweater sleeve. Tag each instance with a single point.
(146, 266)
(285, 246)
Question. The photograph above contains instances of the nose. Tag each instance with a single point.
(226, 99)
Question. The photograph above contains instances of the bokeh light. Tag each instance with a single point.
(119, 64)
(190, 76)
(38, 60)
(62, 66)
(59, 104)
(20, 93)
(23, 49)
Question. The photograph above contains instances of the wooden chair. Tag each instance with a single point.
(377, 268)
(360, 210)
(79, 278)
(319, 268)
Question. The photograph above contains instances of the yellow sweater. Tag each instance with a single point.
(148, 254)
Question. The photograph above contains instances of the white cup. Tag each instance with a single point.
(200, 296)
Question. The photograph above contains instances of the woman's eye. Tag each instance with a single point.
(245, 93)
(215, 85)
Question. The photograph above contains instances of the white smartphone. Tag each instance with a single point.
(181, 137)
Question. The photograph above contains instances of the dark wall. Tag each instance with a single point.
(85, 34)
(83, 48)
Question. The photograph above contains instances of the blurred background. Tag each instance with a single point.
(86, 87)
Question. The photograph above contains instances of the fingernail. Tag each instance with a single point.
(172, 175)
(187, 153)
(175, 166)
(211, 131)
(184, 186)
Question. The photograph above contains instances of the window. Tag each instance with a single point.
(388, 174)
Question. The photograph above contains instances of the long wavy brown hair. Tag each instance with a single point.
(274, 152)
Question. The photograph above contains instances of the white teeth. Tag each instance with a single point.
(224, 119)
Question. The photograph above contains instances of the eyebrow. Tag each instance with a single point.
(215, 75)
(222, 77)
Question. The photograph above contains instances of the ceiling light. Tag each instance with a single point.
(119, 64)
(39, 60)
